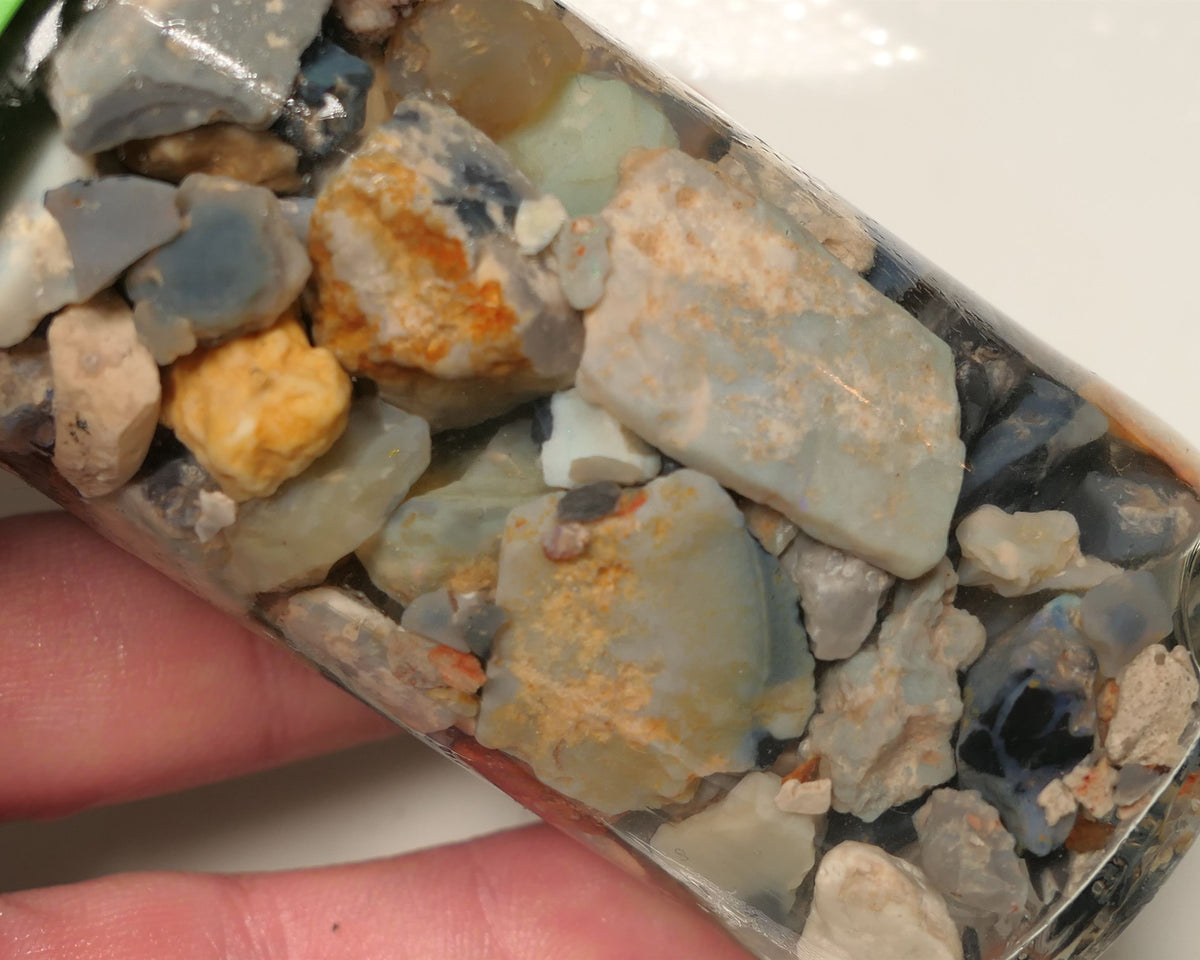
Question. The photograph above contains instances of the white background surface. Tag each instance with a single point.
(1043, 152)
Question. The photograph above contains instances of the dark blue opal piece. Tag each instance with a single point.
(329, 105)
(1130, 518)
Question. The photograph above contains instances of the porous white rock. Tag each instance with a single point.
(840, 594)
(1021, 553)
(1156, 693)
(758, 358)
(970, 857)
(744, 843)
(1092, 784)
(886, 715)
(36, 271)
(812, 797)
(587, 444)
(868, 905)
(106, 395)
(1057, 801)
(216, 512)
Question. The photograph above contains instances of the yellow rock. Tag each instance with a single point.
(258, 410)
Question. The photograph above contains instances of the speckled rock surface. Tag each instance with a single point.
(111, 222)
(840, 594)
(344, 498)
(670, 612)
(1124, 615)
(970, 857)
(450, 536)
(1155, 705)
(257, 410)
(587, 445)
(236, 268)
(26, 393)
(1029, 718)
(142, 68)
(744, 843)
(886, 715)
(696, 266)
(106, 395)
(420, 281)
(36, 272)
(867, 904)
(220, 150)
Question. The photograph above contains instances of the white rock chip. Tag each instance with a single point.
(1021, 553)
(1057, 801)
(1154, 707)
(1092, 784)
(586, 445)
(538, 222)
(840, 594)
(744, 843)
(813, 798)
(868, 905)
(761, 360)
(36, 270)
(971, 858)
(217, 511)
(106, 395)
(886, 715)
(769, 527)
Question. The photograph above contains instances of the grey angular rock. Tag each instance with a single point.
(37, 276)
(111, 222)
(650, 660)
(887, 714)
(970, 857)
(769, 527)
(106, 395)
(763, 361)
(840, 595)
(329, 104)
(450, 536)
(142, 68)
(1155, 706)
(26, 394)
(395, 670)
(344, 498)
(744, 844)
(463, 621)
(1124, 615)
(236, 268)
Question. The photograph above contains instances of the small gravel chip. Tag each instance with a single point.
(595, 501)
(565, 541)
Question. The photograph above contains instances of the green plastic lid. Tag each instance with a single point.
(7, 9)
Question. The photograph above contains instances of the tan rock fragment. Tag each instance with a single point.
(106, 395)
(1156, 694)
(258, 410)
(221, 150)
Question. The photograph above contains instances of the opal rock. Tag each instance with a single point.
(1154, 708)
(537, 223)
(173, 490)
(111, 222)
(840, 594)
(1129, 519)
(257, 410)
(1029, 718)
(811, 797)
(106, 395)
(1057, 801)
(583, 261)
(497, 64)
(1092, 785)
(650, 660)
(343, 499)
(1021, 553)
(968, 855)
(867, 903)
(26, 394)
(420, 283)
(220, 150)
(1012, 457)
(37, 276)
(764, 362)
(450, 536)
(140, 69)
(1134, 782)
(372, 19)
(574, 150)
(887, 714)
(587, 445)
(329, 104)
(235, 269)
(404, 675)
(769, 527)
(744, 844)
(1124, 615)
(463, 621)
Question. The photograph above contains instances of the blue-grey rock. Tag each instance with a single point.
(758, 358)
(1131, 518)
(298, 211)
(652, 659)
(1124, 615)
(1029, 718)
(36, 273)
(111, 222)
(26, 393)
(329, 105)
(141, 68)
(235, 269)
(464, 621)
(1014, 455)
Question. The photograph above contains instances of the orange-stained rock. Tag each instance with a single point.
(258, 410)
